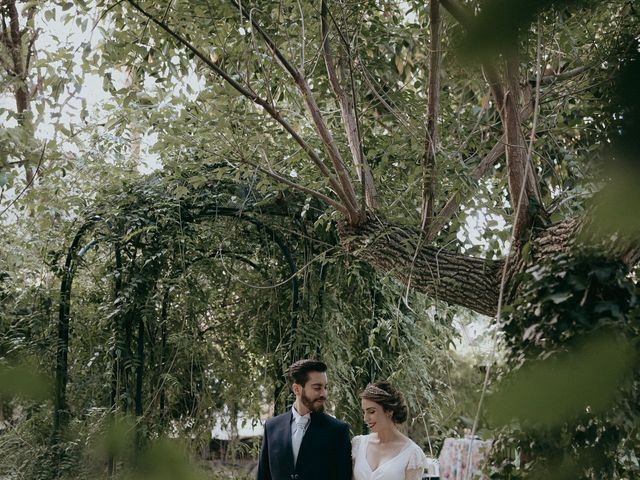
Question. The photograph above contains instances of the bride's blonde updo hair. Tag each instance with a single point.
(389, 398)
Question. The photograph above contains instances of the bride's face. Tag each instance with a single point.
(375, 416)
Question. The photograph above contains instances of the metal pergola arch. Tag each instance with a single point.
(74, 252)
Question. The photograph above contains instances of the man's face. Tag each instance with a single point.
(314, 393)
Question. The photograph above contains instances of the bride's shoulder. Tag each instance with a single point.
(357, 441)
(413, 444)
(417, 458)
(355, 445)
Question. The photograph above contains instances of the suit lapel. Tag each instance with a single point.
(283, 437)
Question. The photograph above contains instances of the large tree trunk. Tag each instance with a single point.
(446, 275)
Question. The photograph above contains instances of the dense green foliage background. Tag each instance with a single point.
(194, 280)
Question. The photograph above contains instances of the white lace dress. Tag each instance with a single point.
(411, 457)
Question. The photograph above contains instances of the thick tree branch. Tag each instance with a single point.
(429, 158)
(521, 174)
(445, 275)
(349, 115)
(520, 171)
(270, 109)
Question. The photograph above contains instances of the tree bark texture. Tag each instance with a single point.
(449, 276)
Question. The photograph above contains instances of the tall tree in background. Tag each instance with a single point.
(409, 122)
(346, 110)
(520, 111)
(17, 54)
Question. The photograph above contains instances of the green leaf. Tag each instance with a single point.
(566, 386)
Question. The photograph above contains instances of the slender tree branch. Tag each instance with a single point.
(381, 99)
(369, 194)
(334, 154)
(30, 180)
(429, 158)
(348, 113)
(521, 176)
(464, 17)
(341, 208)
(31, 51)
(559, 77)
(270, 109)
(302, 38)
(480, 170)
(292, 70)
(536, 103)
(30, 25)
(496, 86)
(350, 199)
(507, 103)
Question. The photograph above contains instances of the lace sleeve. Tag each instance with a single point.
(355, 444)
(417, 460)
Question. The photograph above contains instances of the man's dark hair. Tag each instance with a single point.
(299, 371)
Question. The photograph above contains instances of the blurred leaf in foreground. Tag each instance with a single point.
(615, 212)
(166, 460)
(564, 469)
(550, 392)
(118, 439)
(617, 203)
(500, 23)
(24, 381)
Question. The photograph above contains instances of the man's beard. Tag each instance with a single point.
(311, 405)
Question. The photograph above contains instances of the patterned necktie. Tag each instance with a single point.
(300, 426)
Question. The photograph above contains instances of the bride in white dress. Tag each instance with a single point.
(385, 454)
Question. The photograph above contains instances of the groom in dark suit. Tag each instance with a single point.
(305, 443)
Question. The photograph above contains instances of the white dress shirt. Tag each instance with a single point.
(299, 425)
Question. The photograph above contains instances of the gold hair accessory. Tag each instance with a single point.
(374, 390)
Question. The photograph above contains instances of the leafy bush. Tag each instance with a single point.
(570, 403)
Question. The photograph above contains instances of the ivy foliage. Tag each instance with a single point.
(568, 398)
(196, 316)
(187, 304)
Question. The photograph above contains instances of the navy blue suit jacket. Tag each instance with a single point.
(325, 452)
